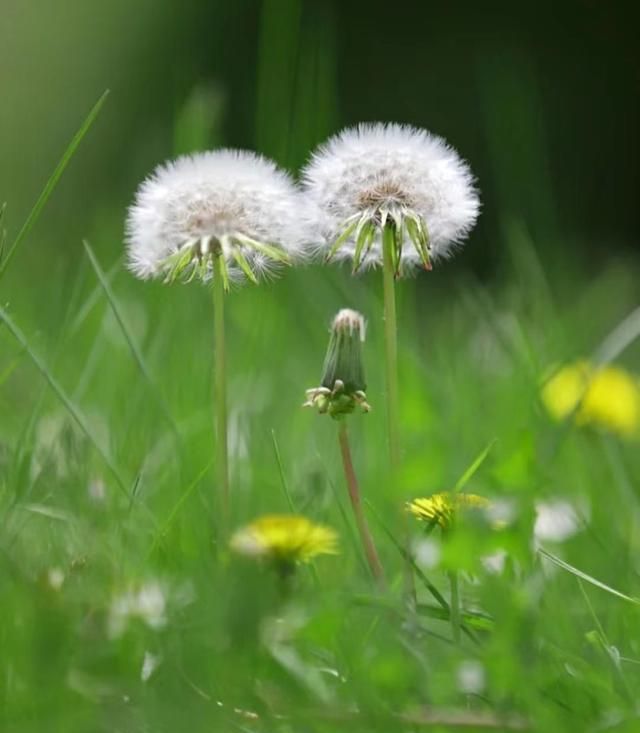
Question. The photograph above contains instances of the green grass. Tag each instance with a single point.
(107, 485)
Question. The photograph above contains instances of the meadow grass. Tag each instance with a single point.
(108, 504)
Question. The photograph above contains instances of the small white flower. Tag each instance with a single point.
(427, 553)
(471, 677)
(55, 578)
(495, 562)
(407, 178)
(228, 202)
(556, 521)
(147, 603)
(149, 665)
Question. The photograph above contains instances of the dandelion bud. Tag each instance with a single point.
(343, 384)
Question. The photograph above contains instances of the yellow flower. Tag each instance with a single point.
(607, 397)
(443, 508)
(285, 538)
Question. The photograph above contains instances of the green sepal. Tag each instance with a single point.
(364, 240)
(273, 253)
(347, 232)
(243, 264)
(419, 236)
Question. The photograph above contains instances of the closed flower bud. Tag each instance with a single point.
(343, 383)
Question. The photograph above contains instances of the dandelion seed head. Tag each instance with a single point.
(392, 169)
(214, 198)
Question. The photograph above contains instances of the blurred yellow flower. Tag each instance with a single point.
(443, 508)
(607, 397)
(285, 538)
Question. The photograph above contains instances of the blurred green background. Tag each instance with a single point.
(542, 100)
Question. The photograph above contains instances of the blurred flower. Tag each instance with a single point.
(149, 665)
(607, 397)
(146, 603)
(343, 383)
(495, 562)
(471, 677)
(227, 202)
(285, 539)
(55, 578)
(443, 509)
(426, 552)
(375, 175)
(556, 521)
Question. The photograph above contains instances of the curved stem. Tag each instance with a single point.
(391, 344)
(220, 390)
(356, 503)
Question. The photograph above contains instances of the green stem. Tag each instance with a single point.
(220, 390)
(455, 606)
(391, 344)
(356, 503)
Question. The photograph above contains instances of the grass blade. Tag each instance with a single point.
(52, 182)
(468, 474)
(128, 336)
(63, 397)
(283, 478)
(587, 578)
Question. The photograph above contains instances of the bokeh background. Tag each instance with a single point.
(542, 100)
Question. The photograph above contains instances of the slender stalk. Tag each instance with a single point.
(220, 390)
(356, 503)
(455, 606)
(391, 344)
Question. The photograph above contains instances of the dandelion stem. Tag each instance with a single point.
(220, 389)
(391, 343)
(454, 608)
(356, 503)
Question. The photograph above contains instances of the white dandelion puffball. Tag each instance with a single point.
(377, 174)
(228, 203)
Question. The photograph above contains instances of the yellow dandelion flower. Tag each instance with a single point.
(443, 508)
(608, 397)
(285, 538)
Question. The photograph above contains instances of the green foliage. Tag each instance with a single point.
(122, 608)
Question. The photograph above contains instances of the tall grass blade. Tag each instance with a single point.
(52, 182)
(469, 473)
(128, 336)
(584, 576)
(63, 397)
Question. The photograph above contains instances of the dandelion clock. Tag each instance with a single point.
(392, 196)
(219, 217)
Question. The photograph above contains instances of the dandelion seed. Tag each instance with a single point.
(443, 509)
(227, 202)
(607, 397)
(285, 539)
(375, 175)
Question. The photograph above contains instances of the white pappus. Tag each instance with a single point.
(231, 203)
(375, 175)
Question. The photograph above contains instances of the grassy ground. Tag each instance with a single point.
(122, 608)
